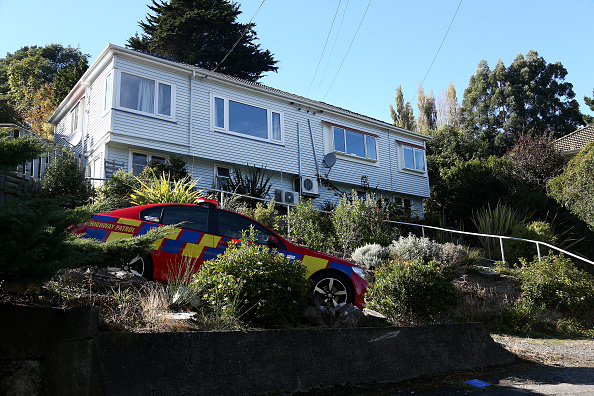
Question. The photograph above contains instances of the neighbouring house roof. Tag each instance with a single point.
(575, 141)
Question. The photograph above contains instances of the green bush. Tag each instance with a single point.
(412, 290)
(414, 248)
(453, 255)
(555, 283)
(358, 221)
(536, 231)
(119, 188)
(371, 256)
(64, 178)
(174, 167)
(161, 189)
(265, 214)
(266, 287)
(311, 227)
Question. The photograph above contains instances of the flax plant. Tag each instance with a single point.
(161, 189)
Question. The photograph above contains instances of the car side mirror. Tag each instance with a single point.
(272, 242)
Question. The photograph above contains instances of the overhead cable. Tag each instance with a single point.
(347, 52)
(241, 37)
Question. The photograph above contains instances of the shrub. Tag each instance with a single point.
(161, 189)
(310, 227)
(255, 182)
(414, 248)
(535, 230)
(119, 188)
(265, 214)
(268, 288)
(358, 221)
(65, 178)
(174, 167)
(371, 256)
(452, 255)
(555, 283)
(412, 290)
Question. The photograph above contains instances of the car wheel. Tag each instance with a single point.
(142, 266)
(332, 289)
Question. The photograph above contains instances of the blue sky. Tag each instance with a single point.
(395, 44)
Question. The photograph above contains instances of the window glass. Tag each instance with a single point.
(151, 214)
(231, 225)
(339, 139)
(193, 218)
(419, 160)
(75, 117)
(107, 104)
(409, 159)
(137, 93)
(158, 159)
(248, 120)
(139, 161)
(355, 143)
(164, 99)
(276, 126)
(222, 177)
(219, 113)
(371, 150)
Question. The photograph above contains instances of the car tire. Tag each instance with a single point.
(332, 288)
(142, 266)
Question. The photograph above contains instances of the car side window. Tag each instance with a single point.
(193, 218)
(231, 225)
(151, 214)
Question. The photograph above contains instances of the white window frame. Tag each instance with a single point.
(77, 111)
(415, 148)
(217, 177)
(157, 81)
(149, 157)
(365, 137)
(108, 99)
(225, 129)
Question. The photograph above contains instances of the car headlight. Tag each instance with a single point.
(360, 272)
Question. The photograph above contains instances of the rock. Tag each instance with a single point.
(342, 316)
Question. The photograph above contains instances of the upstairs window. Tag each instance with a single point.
(246, 120)
(77, 117)
(145, 95)
(413, 157)
(107, 103)
(354, 143)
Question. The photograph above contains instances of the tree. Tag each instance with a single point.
(427, 119)
(202, 33)
(16, 151)
(448, 108)
(402, 116)
(529, 97)
(34, 80)
(590, 103)
(574, 187)
(535, 160)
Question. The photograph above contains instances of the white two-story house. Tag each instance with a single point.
(130, 108)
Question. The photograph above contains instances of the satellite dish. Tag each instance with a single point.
(75, 138)
(329, 160)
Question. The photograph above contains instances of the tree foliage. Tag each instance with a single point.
(402, 116)
(535, 160)
(448, 108)
(14, 152)
(530, 96)
(427, 119)
(574, 187)
(201, 33)
(34, 80)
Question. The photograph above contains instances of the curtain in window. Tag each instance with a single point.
(146, 91)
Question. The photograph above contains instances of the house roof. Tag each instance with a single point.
(575, 141)
(309, 104)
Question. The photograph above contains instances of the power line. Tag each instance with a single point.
(324, 49)
(442, 41)
(347, 52)
(334, 44)
(239, 39)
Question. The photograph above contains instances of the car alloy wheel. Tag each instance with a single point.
(332, 289)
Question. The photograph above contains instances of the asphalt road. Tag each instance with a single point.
(544, 367)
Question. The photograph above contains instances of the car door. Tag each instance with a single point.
(188, 245)
(231, 226)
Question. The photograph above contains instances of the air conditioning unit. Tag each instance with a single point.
(285, 196)
(308, 186)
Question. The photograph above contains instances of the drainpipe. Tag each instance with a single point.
(313, 144)
(299, 147)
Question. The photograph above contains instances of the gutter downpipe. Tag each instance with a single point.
(313, 145)
(190, 119)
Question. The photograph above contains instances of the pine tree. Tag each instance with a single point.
(201, 33)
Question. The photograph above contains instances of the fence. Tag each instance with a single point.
(423, 227)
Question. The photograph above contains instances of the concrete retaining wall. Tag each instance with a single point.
(62, 352)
